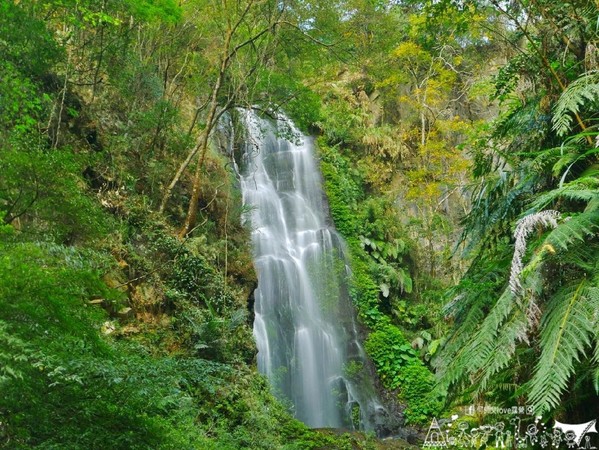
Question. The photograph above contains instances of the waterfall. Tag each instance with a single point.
(304, 322)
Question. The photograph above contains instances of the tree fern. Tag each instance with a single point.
(593, 205)
(562, 156)
(524, 228)
(483, 342)
(568, 159)
(480, 352)
(568, 328)
(497, 203)
(507, 324)
(543, 326)
(525, 124)
(512, 332)
(594, 296)
(578, 228)
(582, 257)
(582, 189)
(584, 89)
(473, 297)
(453, 361)
(495, 342)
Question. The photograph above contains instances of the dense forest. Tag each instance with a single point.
(458, 142)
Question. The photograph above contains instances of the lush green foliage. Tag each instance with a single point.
(378, 258)
(400, 367)
(533, 340)
(115, 333)
(391, 353)
(125, 274)
(56, 361)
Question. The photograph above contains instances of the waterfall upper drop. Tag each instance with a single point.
(304, 325)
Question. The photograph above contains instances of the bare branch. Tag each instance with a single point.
(307, 35)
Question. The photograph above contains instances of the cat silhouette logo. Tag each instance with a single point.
(575, 432)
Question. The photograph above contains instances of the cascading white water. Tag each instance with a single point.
(303, 325)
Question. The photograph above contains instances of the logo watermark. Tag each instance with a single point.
(521, 430)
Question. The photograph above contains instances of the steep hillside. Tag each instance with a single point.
(457, 142)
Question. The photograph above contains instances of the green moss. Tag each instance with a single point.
(400, 368)
(344, 194)
(417, 389)
(343, 190)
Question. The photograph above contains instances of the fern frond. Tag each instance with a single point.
(498, 203)
(594, 299)
(483, 343)
(568, 327)
(491, 348)
(582, 256)
(452, 366)
(524, 124)
(475, 295)
(576, 229)
(568, 157)
(506, 387)
(503, 347)
(593, 293)
(525, 226)
(584, 89)
(542, 159)
(593, 205)
(533, 283)
(582, 189)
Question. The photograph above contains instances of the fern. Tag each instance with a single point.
(593, 205)
(492, 347)
(525, 124)
(495, 342)
(555, 156)
(525, 227)
(472, 345)
(577, 229)
(583, 189)
(473, 297)
(568, 328)
(584, 89)
(544, 326)
(453, 360)
(483, 342)
(534, 284)
(511, 333)
(568, 160)
(582, 257)
(499, 201)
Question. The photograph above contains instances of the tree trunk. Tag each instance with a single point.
(227, 55)
(192, 210)
(177, 177)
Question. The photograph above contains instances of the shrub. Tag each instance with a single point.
(400, 368)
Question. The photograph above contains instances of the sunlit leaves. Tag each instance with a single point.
(533, 162)
(165, 11)
(25, 41)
